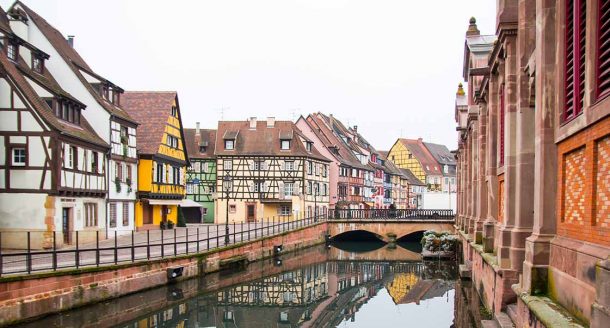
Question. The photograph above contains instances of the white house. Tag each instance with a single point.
(103, 101)
(52, 171)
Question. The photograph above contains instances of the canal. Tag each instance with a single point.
(348, 284)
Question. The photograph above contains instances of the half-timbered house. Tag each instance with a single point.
(412, 154)
(52, 162)
(162, 156)
(274, 171)
(104, 112)
(201, 174)
(346, 170)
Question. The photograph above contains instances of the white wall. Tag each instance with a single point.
(438, 201)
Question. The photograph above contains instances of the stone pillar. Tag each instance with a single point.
(481, 168)
(524, 164)
(537, 246)
(491, 165)
(474, 180)
(510, 151)
(600, 311)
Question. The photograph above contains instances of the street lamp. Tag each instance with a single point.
(227, 184)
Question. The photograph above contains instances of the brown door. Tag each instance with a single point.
(164, 213)
(147, 215)
(65, 217)
(250, 212)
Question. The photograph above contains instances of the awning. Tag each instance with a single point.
(165, 201)
(189, 203)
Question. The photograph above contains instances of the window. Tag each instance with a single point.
(94, 162)
(112, 216)
(259, 186)
(574, 79)
(205, 168)
(203, 149)
(308, 146)
(124, 135)
(288, 188)
(356, 191)
(125, 214)
(91, 214)
(309, 167)
(285, 144)
(324, 189)
(309, 187)
(324, 170)
(446, 168)
(258, 165)
(285, 210)
(205, 211)
(72, 158)
(172, 141)
(174, 111)
(603, 50)
(229, 144)
(228, 164)
(176, 175)
(160, 173)
(19, 156)
(12, 51)
(37, 64)
(354, 173)
(289, 165)
(232, 208)
(190, 188)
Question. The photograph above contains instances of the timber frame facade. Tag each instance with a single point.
(274, 172)
(52, 163)
(200, 175)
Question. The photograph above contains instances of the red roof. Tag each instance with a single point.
(151, 109)
(421, 153)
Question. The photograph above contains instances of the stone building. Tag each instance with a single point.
(533, 162)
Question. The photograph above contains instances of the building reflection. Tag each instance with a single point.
(320, 295)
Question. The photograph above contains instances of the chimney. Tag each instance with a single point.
(420, 140)
(252, 121)
(270, 122)
(71, 40)
(355, 128)
(197, 130)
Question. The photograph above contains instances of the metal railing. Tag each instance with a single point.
(138, 246)
(391, 214)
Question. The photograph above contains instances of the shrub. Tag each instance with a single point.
(439, 241)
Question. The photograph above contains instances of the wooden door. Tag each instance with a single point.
(250, 212)
(147, 215)
(164, 213)
(65, 217)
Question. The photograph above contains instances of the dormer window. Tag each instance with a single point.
(174, 111)
(65, 110)
(203, 149)
(308, 146)
(37, 64)
(285, 144)
(12, 51)
(229, 144)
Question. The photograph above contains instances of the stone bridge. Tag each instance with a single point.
(389, 225)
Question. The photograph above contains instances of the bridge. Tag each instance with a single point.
(388, 225)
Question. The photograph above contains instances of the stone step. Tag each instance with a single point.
(511, 310)
(504, 321)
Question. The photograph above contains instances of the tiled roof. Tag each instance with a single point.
(207, 137)
(4, 23)
(421, 153)
(411, 178)
(151, 109)
(263, 140)
(74, 60)
(441, 153)
(83, 132)
(320, 124)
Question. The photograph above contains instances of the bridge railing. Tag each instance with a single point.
(391, 214)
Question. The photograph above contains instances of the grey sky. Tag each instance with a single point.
(386, 66)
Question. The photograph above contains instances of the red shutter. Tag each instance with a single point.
(502, 114)
(575, 36)
(603, 50)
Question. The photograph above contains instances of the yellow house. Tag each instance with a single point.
(162, 158)
(414, 156)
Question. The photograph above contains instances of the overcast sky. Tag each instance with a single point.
(390, 67)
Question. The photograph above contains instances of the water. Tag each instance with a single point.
(358, 284)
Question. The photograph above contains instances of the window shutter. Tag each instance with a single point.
(502, 114)
(603, 50)
(281, 190)
(296, 189)
(575, 36)
(251, 186)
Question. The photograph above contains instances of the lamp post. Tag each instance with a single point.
(227, 184)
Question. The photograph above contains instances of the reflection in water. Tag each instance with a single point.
(317, 288)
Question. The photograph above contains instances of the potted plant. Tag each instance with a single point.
(124, 150)
(128, 183)
(170, 224)
(117, 184)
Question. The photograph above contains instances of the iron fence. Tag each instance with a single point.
(137, 246)
(392, 214)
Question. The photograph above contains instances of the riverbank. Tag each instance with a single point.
(41, 294)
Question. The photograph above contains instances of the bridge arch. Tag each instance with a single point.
(357, 235)
(388, 231)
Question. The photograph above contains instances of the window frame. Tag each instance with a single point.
(230, 142)
(14, 147)
(283, 142)
(12, 50)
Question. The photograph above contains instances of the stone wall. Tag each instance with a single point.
(44, 293)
